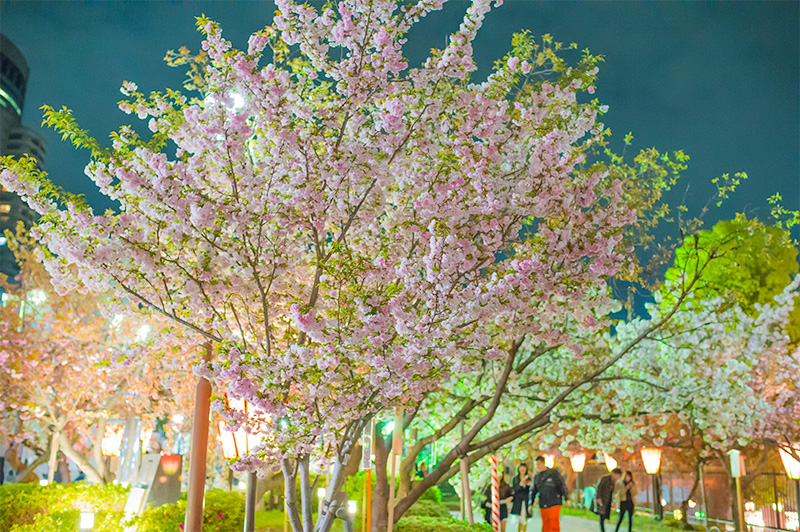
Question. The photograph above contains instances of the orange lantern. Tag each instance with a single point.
(790, 463)
(239, 443)
(112, 439)
(170, 463)
(577, 461)
(610, 462)
(145, 434)
(651, 458)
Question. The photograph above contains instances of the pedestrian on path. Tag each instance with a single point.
(604, 494)
(520, 491)
(624, 494)
(549, 485)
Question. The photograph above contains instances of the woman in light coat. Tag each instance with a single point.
(624, 498)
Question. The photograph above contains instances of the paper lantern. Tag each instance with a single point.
(239, 443)
(112, 439)
(578, 461)
(611, 464)
(651, 458)
(790, 463)
(170, 463)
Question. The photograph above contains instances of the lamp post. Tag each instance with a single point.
(578, 462)
(235, 445)
(651, 458)
(792, 466)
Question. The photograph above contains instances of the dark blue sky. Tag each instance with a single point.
(717, 80)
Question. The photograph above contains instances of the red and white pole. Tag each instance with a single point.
(495, 461)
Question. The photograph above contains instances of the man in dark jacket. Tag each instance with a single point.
(604, 494)
(552, 491)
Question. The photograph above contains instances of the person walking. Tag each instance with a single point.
(505, 498)
(604, 494)
(549, 485)
(520, 491)
(625, 494)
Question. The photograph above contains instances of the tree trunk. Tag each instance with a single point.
(380, 495)
(92, 474)
(685, 503)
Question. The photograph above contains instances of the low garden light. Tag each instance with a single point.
(112, 439)
(792, 466)
(611, 464)
(238, 444)
(87, 521)
(352, 507)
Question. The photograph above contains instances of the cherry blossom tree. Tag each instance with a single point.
(349, 232)
(69, 366)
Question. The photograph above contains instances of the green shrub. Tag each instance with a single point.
(57, 507)
(427, 508)
(421, 523)
(223, 511)
(432, 494)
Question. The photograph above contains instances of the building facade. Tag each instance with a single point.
(16, 140)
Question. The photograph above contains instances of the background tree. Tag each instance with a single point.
(70, 365)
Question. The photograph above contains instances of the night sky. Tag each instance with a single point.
(717, 80)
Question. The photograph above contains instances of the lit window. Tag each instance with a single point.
(5, 207)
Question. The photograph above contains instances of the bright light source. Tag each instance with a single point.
(577, 461)
(388, 428)
(43, 482)
(677, 514)
(321, 493)
(112, 439)
(352, 507)
(87, 520)
(242, 484)
(116, 321)
(237, 101)
(141, 334)
(750, 506)
(610, 462)
(37, 297)
(3, 241)
(663, 502)
(791, 464)
(178, 418)
(692, 504)
(652, 460)
(549, 460)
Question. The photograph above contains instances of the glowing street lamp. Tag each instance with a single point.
(792, 466)
(651, 458)
(112, 439)
(237, 444)
(611, 464)
(87, 521)
(578, 462)
(549, 460)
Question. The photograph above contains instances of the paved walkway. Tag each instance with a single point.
(570, 524)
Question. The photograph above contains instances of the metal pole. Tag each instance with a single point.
(740, 506)
(703, 494)
(397, 448)
(466, 493)
(250, 503)
(199, 453)
(778, 523)
(797, 496)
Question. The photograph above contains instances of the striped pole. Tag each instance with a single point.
(494, 460)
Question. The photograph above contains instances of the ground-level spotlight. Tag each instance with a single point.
(87, 520)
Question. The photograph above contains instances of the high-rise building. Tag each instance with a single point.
(16, 140)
